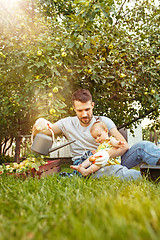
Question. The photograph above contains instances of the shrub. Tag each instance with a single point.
(6, 159)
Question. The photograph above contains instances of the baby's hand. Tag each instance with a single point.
(121, 144)
(92, 159)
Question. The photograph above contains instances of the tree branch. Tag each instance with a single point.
(118, 15)
(137, 118)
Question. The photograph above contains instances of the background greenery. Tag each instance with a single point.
(50, 48)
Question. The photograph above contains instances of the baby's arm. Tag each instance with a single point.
(115, 143)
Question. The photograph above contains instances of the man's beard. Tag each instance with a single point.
(85, 120)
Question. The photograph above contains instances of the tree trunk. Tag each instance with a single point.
(151, 137)
(17, 149)
(0, 150)
(155, 137)
(6, 145)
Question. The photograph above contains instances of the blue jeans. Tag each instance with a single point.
(86, 155)
(78, 161)
(114, 170)
(143, 151)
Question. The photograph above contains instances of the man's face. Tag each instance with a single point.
(84, 112)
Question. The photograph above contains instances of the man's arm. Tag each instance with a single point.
(54, 128)
(114, 152)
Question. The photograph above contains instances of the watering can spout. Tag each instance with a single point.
(60, 146)
(42, 144)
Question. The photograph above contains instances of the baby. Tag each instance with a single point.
(100, 159)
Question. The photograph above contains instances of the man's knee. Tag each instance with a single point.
(143, 144)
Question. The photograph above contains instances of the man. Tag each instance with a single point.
(78, 128)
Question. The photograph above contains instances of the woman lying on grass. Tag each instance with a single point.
(99, 132)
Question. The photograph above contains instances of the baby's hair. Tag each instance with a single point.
(100, 124)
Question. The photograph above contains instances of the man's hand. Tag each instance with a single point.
(46, 127)
(41, 125)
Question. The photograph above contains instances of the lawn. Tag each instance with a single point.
(76, 208)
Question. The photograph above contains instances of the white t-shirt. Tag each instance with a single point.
(73, 130)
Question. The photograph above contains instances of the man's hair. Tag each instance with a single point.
(82, 95)
(101, 124)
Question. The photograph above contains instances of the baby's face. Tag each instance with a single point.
(99, 134)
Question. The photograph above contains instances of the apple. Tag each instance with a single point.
(50, 95)
(64, 54)
(69, 71)
(1, 54)
(59, 64)
(81, 43)
(103, 50)
(55, 89)
(62, 49)
(52, 111)
(122, 75)
(39, 53)
(153, 91)
(110, 46)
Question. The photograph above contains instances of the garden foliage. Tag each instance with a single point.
(48, 49)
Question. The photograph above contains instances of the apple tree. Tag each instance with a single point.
(113, 50)
(32, 80)
(49, 48)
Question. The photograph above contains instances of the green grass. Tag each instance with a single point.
(75, 208)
